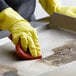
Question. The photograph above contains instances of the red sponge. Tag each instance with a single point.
(24, 55)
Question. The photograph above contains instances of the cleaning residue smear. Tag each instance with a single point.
(63, 54)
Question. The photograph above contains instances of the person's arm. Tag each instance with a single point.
(21, 30)
(51, 6)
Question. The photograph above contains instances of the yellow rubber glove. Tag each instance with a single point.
(21, 31)
(52, 6)
(69, 11)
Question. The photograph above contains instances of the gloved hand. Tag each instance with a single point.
(52, 6)
(21, 31)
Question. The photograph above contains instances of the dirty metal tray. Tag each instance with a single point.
(49, 39)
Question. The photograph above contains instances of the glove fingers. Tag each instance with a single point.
(15, 38)
(36, 42)
(24, 42)
(32, 47)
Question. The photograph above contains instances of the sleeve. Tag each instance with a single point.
(3, 5)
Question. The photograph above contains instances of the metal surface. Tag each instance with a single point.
(48, 39)
(6, 70)
(67, 70)
(62, 55)
(10, 73)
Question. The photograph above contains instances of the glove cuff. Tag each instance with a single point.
(9, 17)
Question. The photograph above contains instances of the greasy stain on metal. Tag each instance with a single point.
(6, 68)
(62, 55)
